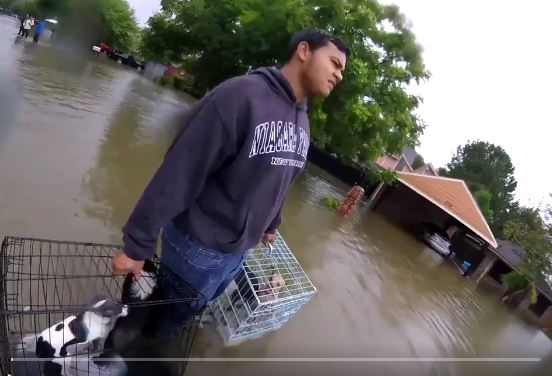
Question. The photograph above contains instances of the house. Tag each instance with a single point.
(503, 259)
(176, 70)
(404, 162)
(426, 169)
(410, 155)
(393, 162)
(154, 70)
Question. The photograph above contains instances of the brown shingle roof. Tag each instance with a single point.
(454, 197)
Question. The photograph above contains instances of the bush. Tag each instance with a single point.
(179, 84)
(515, 281)
(330, 202)
(164, 81)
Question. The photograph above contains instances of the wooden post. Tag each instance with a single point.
(485, 267)
(546, 318)
(376, 195)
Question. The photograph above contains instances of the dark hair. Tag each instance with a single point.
(315, 39)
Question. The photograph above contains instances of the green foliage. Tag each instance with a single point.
(515, 281)
(179, 84)
(23, 7)
(90, 21)
(18, 7)
(386, 176)
(368, 115)
(483, 198)
(546, 213)
(528, 230)
(176, 82)
(533, 294)
(487, 167)
(164, 81)
(330, 202)
(418, 162)
(121, 28)
(373, 174)
(538, 250)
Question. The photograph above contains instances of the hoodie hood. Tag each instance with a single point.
(280, 85)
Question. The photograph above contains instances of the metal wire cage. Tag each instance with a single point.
(45, 282)
(271, 287)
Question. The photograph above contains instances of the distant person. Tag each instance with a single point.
(27, 24)
(39, 29)
(21, 29)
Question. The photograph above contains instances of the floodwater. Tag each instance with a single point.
(79, 139)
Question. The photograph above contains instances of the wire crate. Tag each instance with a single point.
(44, 282)
(270, 288)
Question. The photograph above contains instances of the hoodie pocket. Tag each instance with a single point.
(245, 227)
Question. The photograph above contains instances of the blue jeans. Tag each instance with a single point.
(187, 263)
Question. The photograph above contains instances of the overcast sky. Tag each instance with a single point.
(144, 9)
(490, 62)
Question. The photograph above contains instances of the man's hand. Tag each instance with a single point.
(268, 239)
(122, 265)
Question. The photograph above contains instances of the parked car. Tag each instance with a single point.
(437, 239)
(438, 243)
(133, 63)
(118, 55)
(126, 58)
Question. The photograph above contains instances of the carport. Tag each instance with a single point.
(448, 203)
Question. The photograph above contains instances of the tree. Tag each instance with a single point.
(370, 113)
(418, 162)
(529, 231)
(483, 198)
(518, 283)
(487, 167)
(22, 7)
(18, 7)
(546, 210)
(90, 21)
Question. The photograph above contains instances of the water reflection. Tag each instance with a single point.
(132, 146)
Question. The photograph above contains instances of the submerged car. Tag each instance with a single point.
(433, 236)
(438, 243)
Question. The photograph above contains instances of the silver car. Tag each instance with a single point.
(438, 243)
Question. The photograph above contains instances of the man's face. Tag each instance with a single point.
(323, 70)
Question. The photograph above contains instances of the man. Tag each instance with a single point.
(21, 29)
(27, 24)
(39, 29)
(222, 184)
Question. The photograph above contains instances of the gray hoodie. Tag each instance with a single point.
(226, 175)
